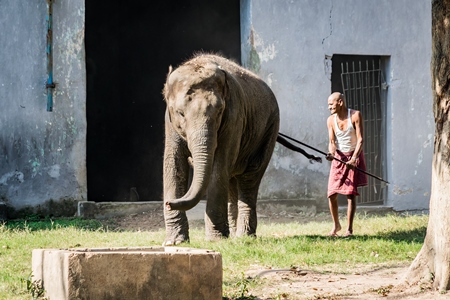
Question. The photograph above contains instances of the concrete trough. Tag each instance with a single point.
(166, 273)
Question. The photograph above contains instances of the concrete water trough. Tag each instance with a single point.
(129, 273)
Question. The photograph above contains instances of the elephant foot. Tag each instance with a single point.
(246, 230)
(169, 242)
(241, 234)
(173, 240)
(215, 238)
(217, 235)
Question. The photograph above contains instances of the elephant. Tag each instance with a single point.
(221, 126)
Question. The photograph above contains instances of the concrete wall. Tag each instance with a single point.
(287, 42)
(42, 154)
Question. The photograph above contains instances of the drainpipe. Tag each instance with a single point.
(50, 84)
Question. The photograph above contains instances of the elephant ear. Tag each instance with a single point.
(165, 91)
(224, 83)
(170, 114)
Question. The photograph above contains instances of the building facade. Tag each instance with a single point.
(371, 51)
(304, 50)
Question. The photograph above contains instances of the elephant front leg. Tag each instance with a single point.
(216, 215)
(176, 174)
(233, 206)
(177, 227)
(247, 220)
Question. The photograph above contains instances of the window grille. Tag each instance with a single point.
(363, 87)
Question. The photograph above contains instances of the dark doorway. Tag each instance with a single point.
(129, 47)
(361, 79)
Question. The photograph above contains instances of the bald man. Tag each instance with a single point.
(345, 132)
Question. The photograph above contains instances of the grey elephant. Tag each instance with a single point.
(222, 120)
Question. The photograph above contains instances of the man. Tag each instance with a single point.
(345, 131)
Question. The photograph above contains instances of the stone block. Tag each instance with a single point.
(164, 273)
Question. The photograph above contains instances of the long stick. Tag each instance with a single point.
(341, 161)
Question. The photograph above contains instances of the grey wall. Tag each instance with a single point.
(42, 154)
(286, 42)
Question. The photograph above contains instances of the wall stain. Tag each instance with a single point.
(398, 191)
(255, 62)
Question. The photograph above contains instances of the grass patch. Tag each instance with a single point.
(379, 241)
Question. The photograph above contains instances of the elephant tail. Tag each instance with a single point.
(292, 147)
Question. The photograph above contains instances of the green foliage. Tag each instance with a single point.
(379, 241)
(34, 223)
(242, 286)
(34, 287)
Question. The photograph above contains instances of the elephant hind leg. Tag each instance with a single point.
(233, 206)
(216, 214)
(249, 182)
(247, 220)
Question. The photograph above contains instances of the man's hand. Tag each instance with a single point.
(329, 156)
(351, 164)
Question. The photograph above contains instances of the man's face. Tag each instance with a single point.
(334, 104)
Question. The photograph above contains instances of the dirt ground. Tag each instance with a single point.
(384, 283)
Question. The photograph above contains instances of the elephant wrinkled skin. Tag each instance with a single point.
(222, 120)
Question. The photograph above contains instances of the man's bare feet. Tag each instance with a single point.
(335, 230)
(348, 233)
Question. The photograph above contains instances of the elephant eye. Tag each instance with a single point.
(180, 113)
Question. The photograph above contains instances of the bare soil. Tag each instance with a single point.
(381, 283)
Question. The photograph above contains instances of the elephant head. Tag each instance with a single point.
(195, 97)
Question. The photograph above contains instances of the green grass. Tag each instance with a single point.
(379, 241)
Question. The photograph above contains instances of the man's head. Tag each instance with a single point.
(336, 102)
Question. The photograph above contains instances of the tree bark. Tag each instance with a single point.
(432, 264)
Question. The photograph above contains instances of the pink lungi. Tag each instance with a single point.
(343, 180)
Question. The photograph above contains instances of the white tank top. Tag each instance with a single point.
(345, 140)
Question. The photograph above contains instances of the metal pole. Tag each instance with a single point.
(50, 84)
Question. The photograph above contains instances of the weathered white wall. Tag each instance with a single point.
(286, 42)
(42, 154)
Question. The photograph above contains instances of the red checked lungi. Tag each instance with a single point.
(343, 180)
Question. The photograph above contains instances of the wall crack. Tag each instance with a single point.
(330, 24)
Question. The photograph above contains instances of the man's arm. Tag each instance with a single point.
(357, 121)
(331, 138)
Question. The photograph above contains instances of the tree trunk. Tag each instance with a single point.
(432, 264)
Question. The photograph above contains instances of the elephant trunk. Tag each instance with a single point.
(202, 146)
